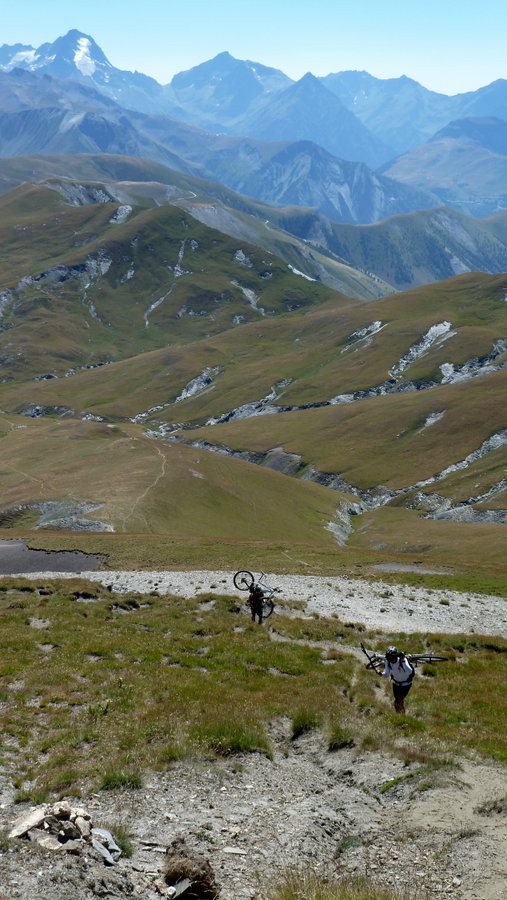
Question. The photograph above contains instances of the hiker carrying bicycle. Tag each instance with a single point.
(401, 673)
(255, 598)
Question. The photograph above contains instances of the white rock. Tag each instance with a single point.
(24, 823)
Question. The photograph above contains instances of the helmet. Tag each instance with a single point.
(392, 652)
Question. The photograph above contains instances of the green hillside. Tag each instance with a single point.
(143, 182)
(133, 336)
(81, 285)
(52, 470)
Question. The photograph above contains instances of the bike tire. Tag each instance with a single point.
(431, 659)
(243, 580)
(267, 608)
(428, 659)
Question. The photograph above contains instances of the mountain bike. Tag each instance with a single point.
(415, 659)
(243, 581)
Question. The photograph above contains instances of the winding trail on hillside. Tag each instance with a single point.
(147, 490)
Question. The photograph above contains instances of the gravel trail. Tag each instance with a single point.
(372, 603)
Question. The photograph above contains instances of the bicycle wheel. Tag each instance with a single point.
(267, 608)
(430, 659)
(421, 660)
(243, 580)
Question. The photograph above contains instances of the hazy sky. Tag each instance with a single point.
(447, 45)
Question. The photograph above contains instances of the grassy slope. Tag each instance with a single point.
(312, 350)
(381, 441)
(143, 486)
(155, 253)
(142, 182)
(94, 697)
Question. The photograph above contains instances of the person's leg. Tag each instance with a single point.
(399, 704)
(400, 691)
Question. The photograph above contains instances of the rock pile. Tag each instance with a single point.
(61, 826)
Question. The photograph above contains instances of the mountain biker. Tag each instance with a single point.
(255, 598)
(401, 673)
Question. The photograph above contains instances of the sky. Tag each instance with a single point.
(449, 46)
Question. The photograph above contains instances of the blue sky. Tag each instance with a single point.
(447, 45)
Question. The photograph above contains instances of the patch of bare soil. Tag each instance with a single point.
(443, 834)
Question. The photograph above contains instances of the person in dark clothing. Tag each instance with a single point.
(401, 673)
(255, 599)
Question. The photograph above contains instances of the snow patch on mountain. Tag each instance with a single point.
(82, 58)
(262, 407)
(301, 274)
(95, 268)
(476, 366)
(242, 259)
(153, 306)
(494, 442)
(437, 334)
(26, 58)
(140, 417)
(5, 297)
(178, 272)
(128, 274)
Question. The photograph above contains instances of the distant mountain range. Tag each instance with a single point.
(318, 155)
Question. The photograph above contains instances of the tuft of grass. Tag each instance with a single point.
(303, 721)
(426, 775)
(37, 796)
(227, 738)
(113, 781)
(348, 843)
(122, 836)
(306, 884)
(339, 738)
(489, 807)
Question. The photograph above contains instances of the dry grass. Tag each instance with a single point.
(305, 884)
